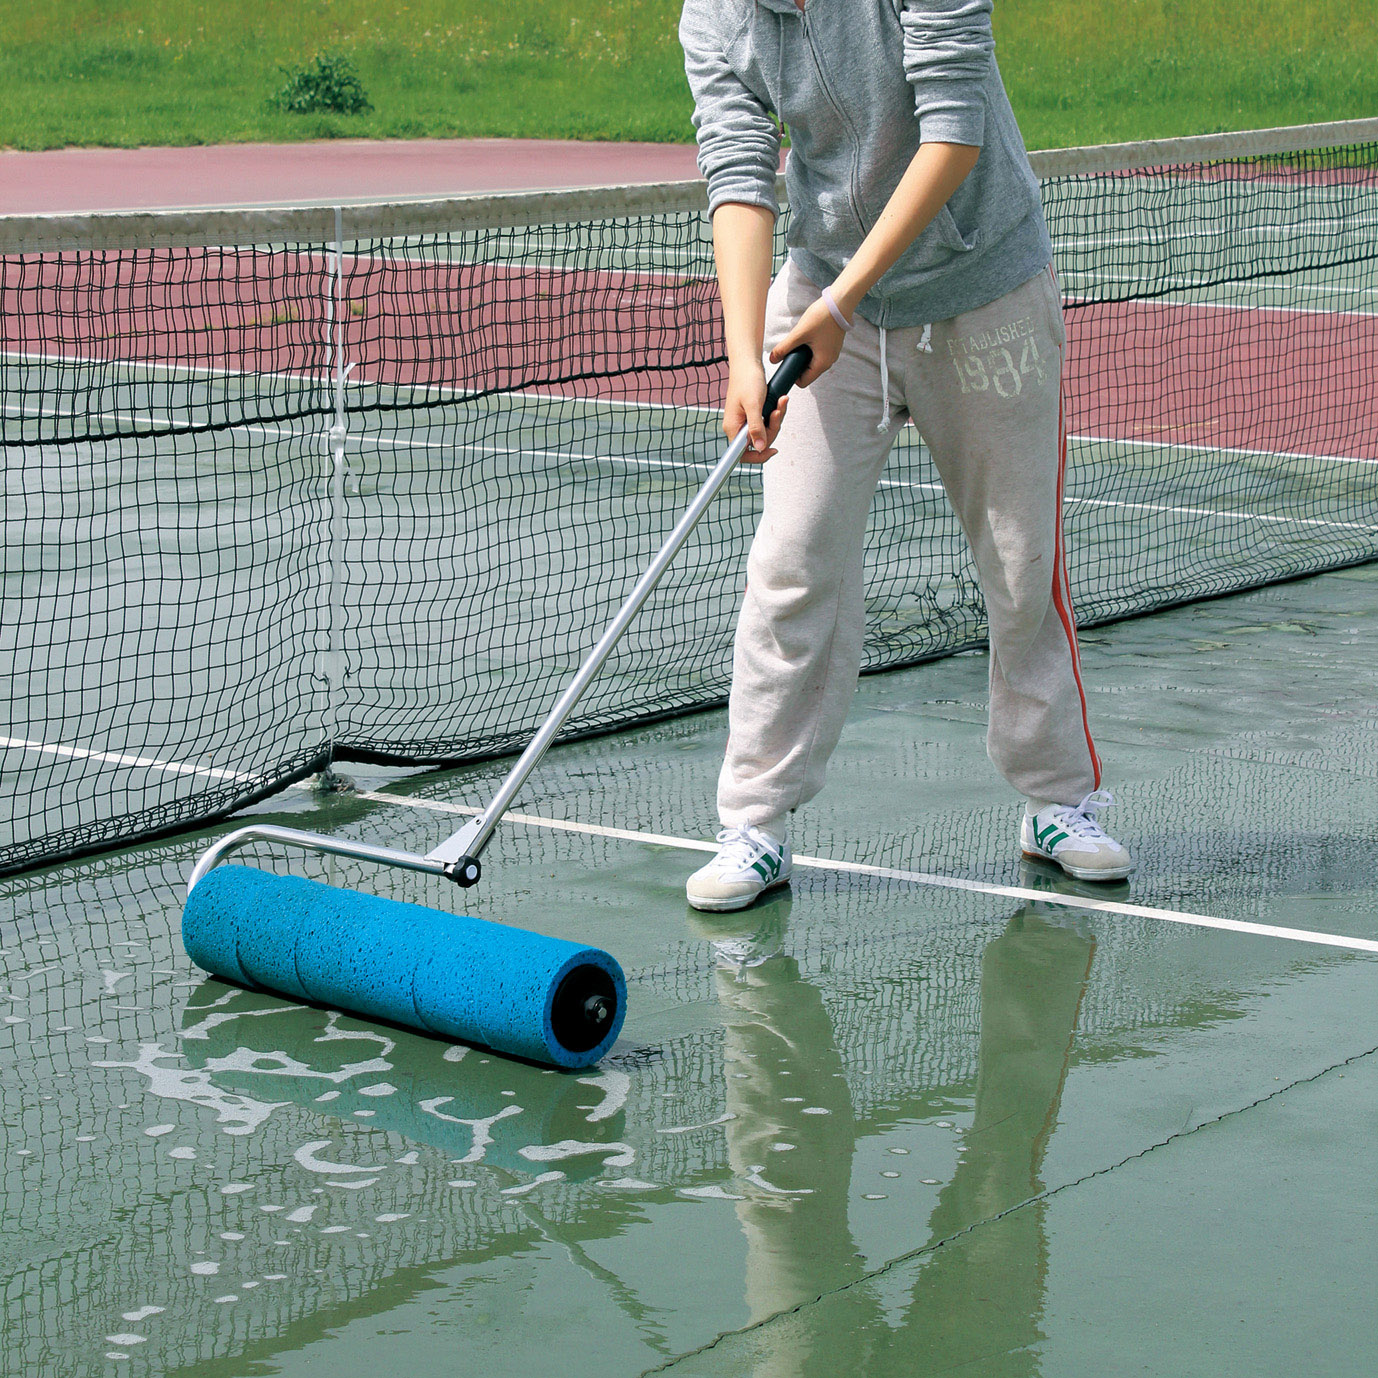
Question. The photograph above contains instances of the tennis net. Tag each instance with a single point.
(287, 487)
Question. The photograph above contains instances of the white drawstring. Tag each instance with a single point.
(925, 346)
(884, 423)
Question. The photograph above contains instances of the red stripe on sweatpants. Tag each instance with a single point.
(1062, 592)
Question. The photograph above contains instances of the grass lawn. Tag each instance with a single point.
(189, 71)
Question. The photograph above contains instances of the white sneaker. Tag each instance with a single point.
(749, 862)
(1069, 835)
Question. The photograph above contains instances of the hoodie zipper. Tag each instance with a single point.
(846, 120)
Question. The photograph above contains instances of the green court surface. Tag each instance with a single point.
(933, 1110)
(197, 691)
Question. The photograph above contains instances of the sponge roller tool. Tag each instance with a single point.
(517, 992)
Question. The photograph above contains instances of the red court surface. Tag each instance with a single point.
(1246, 378)
(470, 327)
(108, 179)
(1280, 381)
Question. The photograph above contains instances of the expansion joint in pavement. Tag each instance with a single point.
(933, 1246)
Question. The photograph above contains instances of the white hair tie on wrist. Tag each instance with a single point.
(834, 311)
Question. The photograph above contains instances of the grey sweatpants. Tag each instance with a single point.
(985, 395)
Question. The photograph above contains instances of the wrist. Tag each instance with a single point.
(847, 296)
(841, 317)
(745, 357)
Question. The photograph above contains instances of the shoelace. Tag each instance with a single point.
(739, 847)
(1081, 821)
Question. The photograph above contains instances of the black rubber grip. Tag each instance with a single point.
(785, 377)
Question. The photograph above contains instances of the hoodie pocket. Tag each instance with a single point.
(950, 236)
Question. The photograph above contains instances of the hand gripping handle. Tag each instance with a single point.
(791, 369)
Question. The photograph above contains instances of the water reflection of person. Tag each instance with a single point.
(991, 1282)
(781, 1063)
(792, 1162)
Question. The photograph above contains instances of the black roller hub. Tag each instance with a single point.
(584, 1008)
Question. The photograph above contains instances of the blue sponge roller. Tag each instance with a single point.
(540, 998)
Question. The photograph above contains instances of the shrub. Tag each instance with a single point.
(327, 82)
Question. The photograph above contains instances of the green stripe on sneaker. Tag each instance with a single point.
(767, 866)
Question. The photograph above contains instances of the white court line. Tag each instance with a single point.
(355, 382)
(361, 441)
(362, 438)
(1223, 449)
(1137, 911)
(1185, 284)
(1320, 289)
(118, 759)
(276, 428)
(1367, 527)
(364, 441)
(1156, 237)
(161, 367)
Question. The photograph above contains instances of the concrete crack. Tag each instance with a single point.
(935, 1245)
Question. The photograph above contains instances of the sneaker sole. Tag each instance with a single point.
(1040, 874)
(729, 903)
(1082, 872)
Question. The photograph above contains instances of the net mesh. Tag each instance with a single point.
(283, 487)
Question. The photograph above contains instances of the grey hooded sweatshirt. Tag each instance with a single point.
(860, 84)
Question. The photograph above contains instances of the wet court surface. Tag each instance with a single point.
(872, 1125)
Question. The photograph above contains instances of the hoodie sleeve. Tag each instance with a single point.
(739, 141)
(948, 54)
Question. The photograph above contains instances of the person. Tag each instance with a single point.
(920, 276)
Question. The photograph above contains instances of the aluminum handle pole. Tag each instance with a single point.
(470, 840)
(314, 842)
(460, 852)
(457, 856)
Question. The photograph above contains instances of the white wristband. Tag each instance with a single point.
(834, 311)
